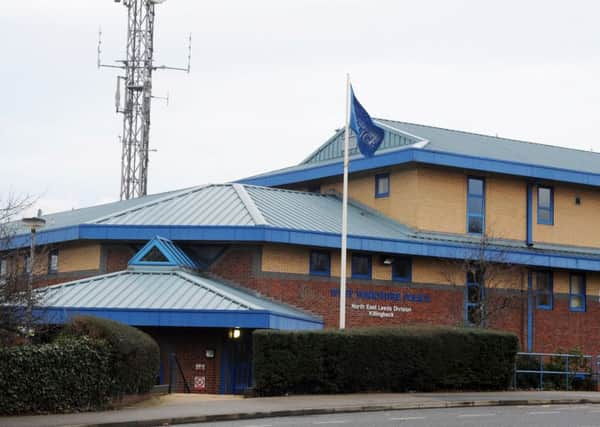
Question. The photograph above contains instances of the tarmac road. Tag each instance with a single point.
(499, 416)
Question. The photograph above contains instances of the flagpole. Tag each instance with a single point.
(345, 211)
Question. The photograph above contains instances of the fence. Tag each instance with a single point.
(577, 370)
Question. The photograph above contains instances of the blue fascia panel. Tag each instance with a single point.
(321, 239)
(331, 240)
(432, 157)
(253, 319)
(63, 234)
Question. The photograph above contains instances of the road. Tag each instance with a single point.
(499, 416)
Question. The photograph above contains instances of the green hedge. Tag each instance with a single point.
(419, 358)
(72, 374)
(89, 364)
(135, 356)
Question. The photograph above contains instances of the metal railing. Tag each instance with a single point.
(550, 364)
(173, 364)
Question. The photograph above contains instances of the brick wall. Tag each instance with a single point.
(190, 345)
(562, 329)
(116, 257)
(558, 328)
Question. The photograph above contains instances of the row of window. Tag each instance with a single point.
(52, 264)
(542, 284)
(476, 201)
(544, 290)
(476, 205)
(361, 266)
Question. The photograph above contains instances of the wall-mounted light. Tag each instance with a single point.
(388, 260)
(235, 333)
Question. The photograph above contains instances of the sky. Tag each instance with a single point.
(267, 84)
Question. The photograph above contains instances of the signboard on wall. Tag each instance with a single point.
(383, 304)
(199, 383)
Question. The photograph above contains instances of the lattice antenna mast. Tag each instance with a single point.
(136, 86)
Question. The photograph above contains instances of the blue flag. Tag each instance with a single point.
(369, 136)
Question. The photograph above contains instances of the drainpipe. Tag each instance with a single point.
(529, 312)
(529, 240)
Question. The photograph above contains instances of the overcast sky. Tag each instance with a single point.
(268, 79)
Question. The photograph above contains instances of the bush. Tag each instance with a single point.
(419, 358)
(135, 356)
(72, 374)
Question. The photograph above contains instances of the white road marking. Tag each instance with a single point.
(407, 418)
(544, 412)
(489, 414)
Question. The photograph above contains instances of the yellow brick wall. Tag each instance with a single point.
(435, 199)
(573, 224)
(442, 200)
(285, 259)
(506, 207)
(295, 260)
(79, 257)
(402, 202)
(593, 285)
(434, 271)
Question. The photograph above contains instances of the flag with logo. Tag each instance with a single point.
(369, 136)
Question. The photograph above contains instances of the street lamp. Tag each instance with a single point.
(33, 224)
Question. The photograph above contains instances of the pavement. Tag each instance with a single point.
(197, 408)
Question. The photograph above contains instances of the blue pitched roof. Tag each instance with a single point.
(144, 296)
(413, 143)
(243, 213)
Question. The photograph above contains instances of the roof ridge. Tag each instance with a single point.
(283, 190)
(233, 298)
(522, 141)
(150, 203)
(249, 204)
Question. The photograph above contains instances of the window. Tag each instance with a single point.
(3, 267)
(545, 208)
(361, 266)
(53, 261)
(314, 188)
(154, 255)
(475, 205)
(26, 264)
(382, 185)
(320, 263)
(401, 270)
(543, 289)
(577, 292)
(474, 298)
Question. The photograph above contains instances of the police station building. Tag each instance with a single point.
(200, 268)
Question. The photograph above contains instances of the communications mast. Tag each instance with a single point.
(136, 85)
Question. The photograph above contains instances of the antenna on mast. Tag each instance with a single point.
(134, 93)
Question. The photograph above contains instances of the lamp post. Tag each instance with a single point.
(33, 224)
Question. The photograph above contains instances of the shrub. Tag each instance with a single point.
(420, 358)
(72, 374)
(135, 356)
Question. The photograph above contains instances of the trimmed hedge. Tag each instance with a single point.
(135, 356)
(91, 362)
(73, 374)
(412, 358)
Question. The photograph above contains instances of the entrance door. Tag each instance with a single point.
(236, 364)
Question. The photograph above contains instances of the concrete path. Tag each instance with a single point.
(195, 408)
